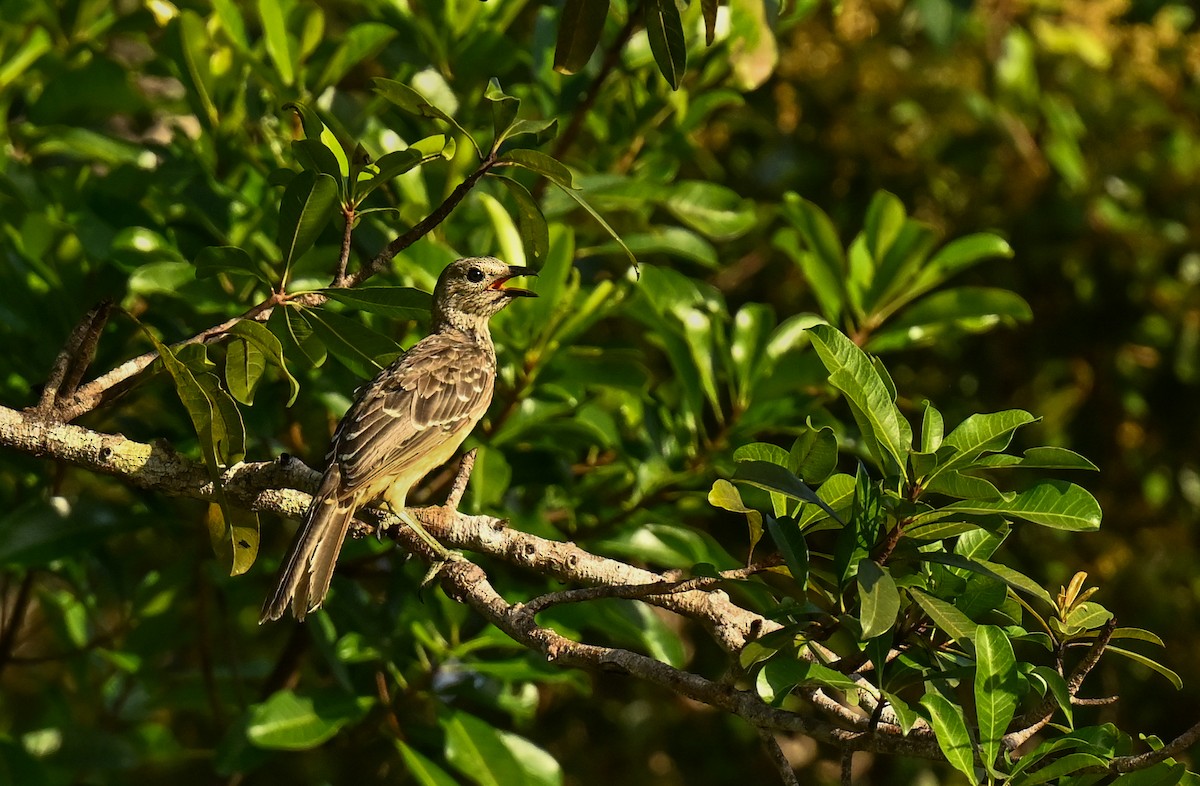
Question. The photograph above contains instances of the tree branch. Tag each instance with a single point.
(281, 486)
(423, 227)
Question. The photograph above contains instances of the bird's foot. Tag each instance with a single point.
(438, 565)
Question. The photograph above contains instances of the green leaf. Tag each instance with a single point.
(851, 371)
(244, 366)
(222, 439)
(1058, 768)
(958, 255)
(361, 42)
(1149, 663)
(699, 334)
(945, 616)
(599, 218)
(1088, 615)
(422, 769)
(824, 266)
(905, 715)
(792, 545)
(531, 223)
(951, 313)
(476, 749)
(1013, 578)
(932, 429)
(781, 674)
(979, 434)
(859, 537)
(299, 330)
(709, 208)
(411, 101)
(192, 37)
(664, 28)
(264, 340)
(951, 730)
(674, 241)
(504, 110)
(305, 209)
(313, 155)
(1162, 774)
(579, 29)
(837, 492)
(997, 689)
(1057, 686)
(276, 38)
(1040, 458)
(288, 721)
(399, 302)
(884, 220)
(360, 349)
(763, 451)
(214, 260)
(956, 484)
(773, 477)
(878, 598)
(541, 164)
(708, 8)
(747, 347)
(1052, 503)
(814, 454)
(725, 495)
(315, 130)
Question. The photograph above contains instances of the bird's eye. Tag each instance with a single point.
(474, 275)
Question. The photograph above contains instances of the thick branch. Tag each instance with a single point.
(278, 487)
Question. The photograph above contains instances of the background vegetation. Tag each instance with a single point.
(137, 135)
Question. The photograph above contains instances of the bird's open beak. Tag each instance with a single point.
(514, 272)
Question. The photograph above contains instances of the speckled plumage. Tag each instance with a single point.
(405, 422)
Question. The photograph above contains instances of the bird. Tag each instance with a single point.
(405, 422)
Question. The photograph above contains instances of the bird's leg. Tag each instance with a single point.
(442, 555)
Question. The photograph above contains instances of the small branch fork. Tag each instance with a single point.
(64, 399)
(282, 487)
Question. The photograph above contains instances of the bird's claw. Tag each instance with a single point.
(439, 564)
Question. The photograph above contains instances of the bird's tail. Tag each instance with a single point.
(308, 568)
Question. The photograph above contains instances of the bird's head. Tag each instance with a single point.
(471, 290)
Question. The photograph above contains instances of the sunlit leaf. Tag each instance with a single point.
(878, 598)
(288, 721)
(535, 234)
(997, 689)
(1051, 503)
(950, 727)
(851, 371)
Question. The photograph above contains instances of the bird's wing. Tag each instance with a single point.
(435, 392)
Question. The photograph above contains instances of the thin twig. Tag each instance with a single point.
(339, 273)
(1149, 759)
(75, 357)
(847, 765)
(461, 479)
(385, 698)
(775, 754)
(91, 395)
(1035, 721)
(634, 591)
(14, 621)
(423, 227)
